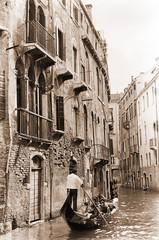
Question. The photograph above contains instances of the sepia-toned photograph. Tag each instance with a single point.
(79, 119)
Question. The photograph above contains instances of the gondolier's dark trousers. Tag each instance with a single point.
(73, 196)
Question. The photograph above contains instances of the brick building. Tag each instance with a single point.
(54, 93)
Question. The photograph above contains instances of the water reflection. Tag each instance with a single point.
(137, 218)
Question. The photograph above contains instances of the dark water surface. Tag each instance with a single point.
(137, 218)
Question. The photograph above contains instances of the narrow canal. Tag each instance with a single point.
(137, 218)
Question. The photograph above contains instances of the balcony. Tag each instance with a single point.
(100, 154)
(64, 73)
(40, 43)
(78, 139)
(136, 148)
(87, 144)
(80, 87)
(33, 126)
(153, 144)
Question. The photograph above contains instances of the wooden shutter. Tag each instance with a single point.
(60, 113)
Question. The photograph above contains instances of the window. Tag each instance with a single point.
(150, 159)
(60, 113)
(140, 136)
(138, 174)
(147, 159)
(95, 177)
(87, 69)
(75, 114)
(81, 18)
(141, 161)
(111, 147)
(147, 98)
(143, 103)
(60, 45)
(96, 45)
(97, 74)
(139, 108)
(87, 28)
(145, 128)
(74, 59)
(135, 110)
(83, 76)
(75, 13)
(85, 124)
(64, 2)
(150, 178)
(153, 95)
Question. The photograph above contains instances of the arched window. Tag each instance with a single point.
(31, 75)
(40, 100)
(31, 17)
(41, 31)
(41, 16)
(87, 69)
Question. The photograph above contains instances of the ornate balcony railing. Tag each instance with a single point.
(33, 126)
(36, 33)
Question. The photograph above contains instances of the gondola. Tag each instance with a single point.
(75, 220)
(78, 221)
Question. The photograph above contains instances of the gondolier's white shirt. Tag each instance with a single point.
(73, 181)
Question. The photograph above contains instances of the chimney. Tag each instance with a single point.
(89, 10)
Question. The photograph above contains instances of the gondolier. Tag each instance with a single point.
(73, 184)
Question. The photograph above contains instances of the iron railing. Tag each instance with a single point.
(32, 125)
(36, 33)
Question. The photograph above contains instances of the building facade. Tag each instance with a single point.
(129, 150)
(54, 85)
(138, 116)
(147, 102)
(114, 135)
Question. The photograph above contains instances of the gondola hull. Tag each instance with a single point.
(75, 220)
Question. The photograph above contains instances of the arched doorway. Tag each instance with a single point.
(35, 191)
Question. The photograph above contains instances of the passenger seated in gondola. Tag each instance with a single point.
(94, 210)
(104, 206)
(84, 208)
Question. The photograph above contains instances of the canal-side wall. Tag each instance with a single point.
(149, 178)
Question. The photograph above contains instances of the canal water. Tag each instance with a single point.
(136, 218)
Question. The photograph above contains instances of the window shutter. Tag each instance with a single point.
(60, 113)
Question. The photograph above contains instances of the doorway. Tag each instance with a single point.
(35, 193)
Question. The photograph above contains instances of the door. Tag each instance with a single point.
(35, 194)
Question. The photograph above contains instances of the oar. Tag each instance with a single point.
(95, 206)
